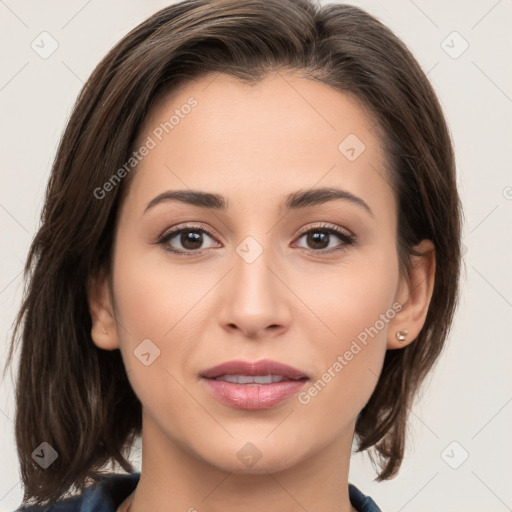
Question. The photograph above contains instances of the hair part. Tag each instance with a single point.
(77, 397)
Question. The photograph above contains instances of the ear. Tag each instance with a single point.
(104, 328)
(414, 294)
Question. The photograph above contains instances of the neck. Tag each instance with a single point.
(173, 479)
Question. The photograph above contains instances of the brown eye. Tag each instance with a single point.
(323, 239)
(190, 240)
(318, 239)
(186, 240)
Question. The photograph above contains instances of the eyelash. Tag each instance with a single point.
(344, 236)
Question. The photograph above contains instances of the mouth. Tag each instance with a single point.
(253, 379)
(253, 385)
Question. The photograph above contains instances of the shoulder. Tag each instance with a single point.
(103, 496)
(361, 502)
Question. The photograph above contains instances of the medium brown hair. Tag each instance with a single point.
(75, 396)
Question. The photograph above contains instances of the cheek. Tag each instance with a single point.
(157, 313)
(353, 308)
(154, 298)
(345, 300)
(161, 311)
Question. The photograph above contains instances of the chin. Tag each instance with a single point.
(256, 456)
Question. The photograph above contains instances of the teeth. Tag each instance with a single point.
(251, 379)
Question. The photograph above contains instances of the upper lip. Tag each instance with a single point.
(263, 367)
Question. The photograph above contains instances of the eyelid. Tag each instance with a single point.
(199, 226)
(326, 225)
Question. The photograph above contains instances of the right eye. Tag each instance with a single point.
(190, 238)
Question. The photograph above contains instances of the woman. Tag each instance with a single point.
(249, 256)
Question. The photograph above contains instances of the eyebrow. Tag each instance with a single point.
(294, 201)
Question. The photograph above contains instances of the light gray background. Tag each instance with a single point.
(468, 396)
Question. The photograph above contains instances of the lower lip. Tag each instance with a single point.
(253, 396)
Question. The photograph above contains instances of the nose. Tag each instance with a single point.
(256, 301)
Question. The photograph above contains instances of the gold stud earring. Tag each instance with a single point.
(401, 335)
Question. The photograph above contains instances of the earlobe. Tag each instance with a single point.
(104, 329)
(415, 292)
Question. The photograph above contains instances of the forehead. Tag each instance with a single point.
(285, 133)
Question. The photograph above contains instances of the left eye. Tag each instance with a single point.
(319, 239)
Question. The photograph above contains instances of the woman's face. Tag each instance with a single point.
(266, 280)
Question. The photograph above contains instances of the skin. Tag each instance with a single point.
(254, 145)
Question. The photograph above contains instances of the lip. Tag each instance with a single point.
(263, 367)
(254, 396)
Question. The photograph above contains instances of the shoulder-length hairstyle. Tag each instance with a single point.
(75, 396)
